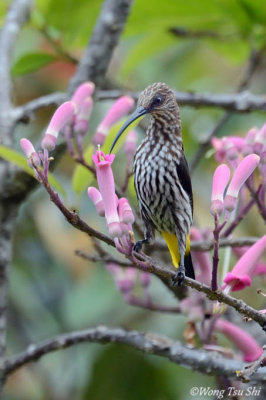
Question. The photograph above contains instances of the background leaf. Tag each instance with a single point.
(21, 161)
(31, 62)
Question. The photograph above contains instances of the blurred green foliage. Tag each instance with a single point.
(51, 290)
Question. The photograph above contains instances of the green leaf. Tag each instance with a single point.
(18, 159)
(31, 62)
(82, 177)
(151, 43)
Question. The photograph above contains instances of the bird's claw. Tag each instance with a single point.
(137, 246)
(178, 278)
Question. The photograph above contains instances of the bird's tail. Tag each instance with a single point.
(189, 266)
(172, 244)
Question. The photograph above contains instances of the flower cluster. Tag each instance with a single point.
(232, 180)
(118, 213)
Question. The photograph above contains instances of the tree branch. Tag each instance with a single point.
(148, 343)
(15, 18)
(239, 102)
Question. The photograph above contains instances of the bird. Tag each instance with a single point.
(161, 177)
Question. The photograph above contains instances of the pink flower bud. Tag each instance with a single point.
(217, 144)
(125, 212)
(125, 278)
(145, 279)
(131, 143)
(83, 91)
(97, 200)
(83, 116)
(221, 177)
(120, 108)
(242, 173)
(249, 142)
(30, 152)
(241, 274)
(61, 117)
(106, 185)
(242, 340)
(260, 140)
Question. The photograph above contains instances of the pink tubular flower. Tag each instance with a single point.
(260, 140)
(97, 200)
(83, 91)
(221, 177)
(240, 276)
(242, 173)
(203, 273)
(241, 339)
(82, 119)
(30, 153)
(106, 185)
(62, 116)
(120, 108)
(125, 212)
(260, 267)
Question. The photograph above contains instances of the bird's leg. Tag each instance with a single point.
(180, 273)
(148, 234)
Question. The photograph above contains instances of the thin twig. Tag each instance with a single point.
(255, 195)
(195, 34)
(149, 305)
(249, 370)
(57, 48)
(104, 258)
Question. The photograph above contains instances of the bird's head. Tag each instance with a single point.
(158, 100)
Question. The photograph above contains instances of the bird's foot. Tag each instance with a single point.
(178, 278)
(138, 246)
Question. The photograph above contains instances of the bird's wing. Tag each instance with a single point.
(184, 177)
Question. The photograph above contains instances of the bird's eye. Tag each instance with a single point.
(157, 101)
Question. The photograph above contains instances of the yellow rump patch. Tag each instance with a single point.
(172, 244)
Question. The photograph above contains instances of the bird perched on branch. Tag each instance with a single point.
(161, 177)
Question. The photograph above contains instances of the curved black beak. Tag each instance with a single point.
(136, 114)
